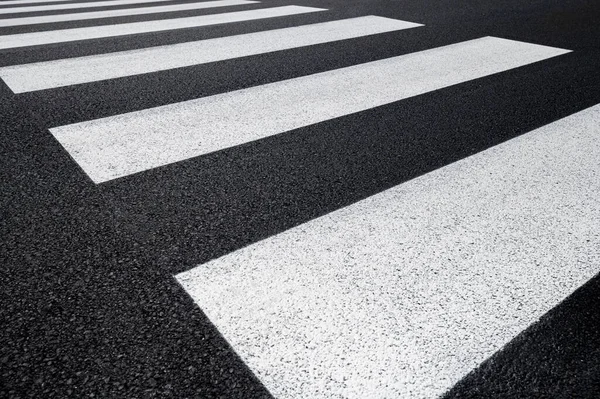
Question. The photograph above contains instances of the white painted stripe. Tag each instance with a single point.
(402, 294)
(45, 75)
(69, 6)
(120, 145)
(46, 19)
(26, 2)
(96, 32)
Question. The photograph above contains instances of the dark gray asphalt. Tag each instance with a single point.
(88, 303)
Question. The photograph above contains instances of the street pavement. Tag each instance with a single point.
(299, 199)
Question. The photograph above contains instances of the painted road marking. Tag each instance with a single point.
(46, 19)
(70, 6)
(26, 2)
(51, 74)
(96, 32)
(405, 292)
(120, 145)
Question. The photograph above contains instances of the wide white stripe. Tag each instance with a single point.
(69, 6)
(402, 294)
(45, 75)
(120, 145)
(96, 32)
(119, 13)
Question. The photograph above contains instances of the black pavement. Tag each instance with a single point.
(89, 306)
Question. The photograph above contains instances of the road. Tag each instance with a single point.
(299, 198)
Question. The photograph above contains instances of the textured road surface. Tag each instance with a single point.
(91, 303)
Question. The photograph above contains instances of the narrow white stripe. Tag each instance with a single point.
(119, 13)
(69, 6)
(26, 2)
(120, 145)
(96, 32)
(402, 294)
(45, 75)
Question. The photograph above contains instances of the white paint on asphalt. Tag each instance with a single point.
(51, 74)
(402, 294)
(71, 6)
(46, 19)
(133, 142)
(26, 2)
(96, 32)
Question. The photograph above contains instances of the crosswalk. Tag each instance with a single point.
(97, 32)
(70, 71)
(66, 6)
(121, 13)
(401, 294)
(105, 152)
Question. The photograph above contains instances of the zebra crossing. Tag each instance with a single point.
(105, 152)
(70, 71)
(372, 300)
(67, 6)
(401, 294)
(88, 33)
(121, 13)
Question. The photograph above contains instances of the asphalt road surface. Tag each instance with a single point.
(299, 199)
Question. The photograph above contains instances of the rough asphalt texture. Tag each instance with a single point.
(88, 303)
